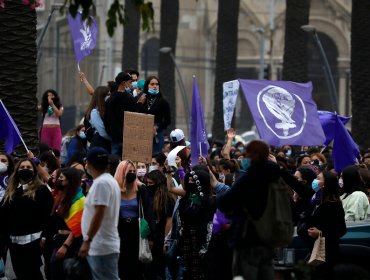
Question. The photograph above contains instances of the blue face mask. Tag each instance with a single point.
(246, 163)
(153, 91)
(134, 85)
(288, 153)
(127, 90)
(82, 135)
(315, 185)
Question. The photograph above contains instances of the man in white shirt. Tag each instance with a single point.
(101, 243)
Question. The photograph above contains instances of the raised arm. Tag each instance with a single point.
(90, 89)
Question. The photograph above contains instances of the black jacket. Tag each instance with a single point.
(116, 105)
(160, 109)
(249, 192)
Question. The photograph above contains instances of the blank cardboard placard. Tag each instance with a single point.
(138, 137)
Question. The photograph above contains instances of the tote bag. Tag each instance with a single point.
(318, 251)
(145, 255)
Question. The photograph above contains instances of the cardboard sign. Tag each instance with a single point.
(138, 137)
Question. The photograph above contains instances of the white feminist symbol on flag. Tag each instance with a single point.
(86, 33)
(281, 104)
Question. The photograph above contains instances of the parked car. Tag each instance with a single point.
(354, 250)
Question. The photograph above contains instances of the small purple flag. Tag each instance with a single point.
(8, 130)
(198, 133)
(345, 150)
(83, 35)
(284, 112)
(328, 120)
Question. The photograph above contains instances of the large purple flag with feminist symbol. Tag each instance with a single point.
(83, 35)
(8, 130)
(345, 150)
(284, 112)
(198, 133)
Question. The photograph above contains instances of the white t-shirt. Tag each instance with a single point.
(104, 191)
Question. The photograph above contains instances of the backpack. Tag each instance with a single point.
(275, 227)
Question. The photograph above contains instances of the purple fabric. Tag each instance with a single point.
(219, 219)
(284, 112)
(198, 129)
(181, 173)
(345, 150)
(83, 35)
(8, 130)
(327, 120)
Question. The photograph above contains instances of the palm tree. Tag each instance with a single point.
(360, 72)
(168, 38)
(226, 55)
(18, 78)
(131, 32)
(295, 52)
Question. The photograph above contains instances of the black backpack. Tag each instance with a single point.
(89, 130)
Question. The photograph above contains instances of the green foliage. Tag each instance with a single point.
(116, 13)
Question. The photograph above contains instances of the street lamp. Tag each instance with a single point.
(328, 74)
(39, 42)
(261, 31)
(168, 50)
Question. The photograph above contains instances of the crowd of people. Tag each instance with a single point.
(78, 197)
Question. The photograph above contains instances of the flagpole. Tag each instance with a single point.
(78, 67)
(200, 148)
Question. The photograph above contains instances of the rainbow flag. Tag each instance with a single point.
(73, 220)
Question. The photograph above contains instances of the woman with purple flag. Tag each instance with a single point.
(52, 110)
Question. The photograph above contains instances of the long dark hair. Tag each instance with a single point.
(352, 180)
(68, 192)
(147, 81)
(161, 196)
(45, 103)
(331, 187)
(98, 101)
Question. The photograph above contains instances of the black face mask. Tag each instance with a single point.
(130, 177)
(25, 174)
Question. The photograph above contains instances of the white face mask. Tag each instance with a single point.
(3, 167)
(152, 168)
(221, 177)
(340, 182)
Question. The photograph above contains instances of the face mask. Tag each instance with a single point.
(241, 149)
(140, 172)
(288, 153)
(153, 91)
(130, 177)
(127, 90)
(152, 168)
(221, 177)
(46, 169)
(340, 182)
(25, 174)
(134, 85)
(246, 163)
(214, 149)
(106, 98)
(3, 167)
(315, 185)
(82, 135)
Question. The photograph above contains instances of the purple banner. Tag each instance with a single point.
(8, 130)
(83, 35)
(198, 133)
(284, 112)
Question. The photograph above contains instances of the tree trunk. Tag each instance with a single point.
(131, 34)
(360, 72)
(295, 52)
(226, 56)
(18, 70)
(168, 38)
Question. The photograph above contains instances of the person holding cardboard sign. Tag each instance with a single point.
(152, 102)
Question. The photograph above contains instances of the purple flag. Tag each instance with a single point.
(83, 35)
(345, 150)
(8, 130)
(284, 112)
(198, 133)
(328, 121)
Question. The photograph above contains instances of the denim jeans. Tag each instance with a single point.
(104, 267)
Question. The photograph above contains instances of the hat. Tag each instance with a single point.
(140, 84)
(97, 156)
(177, 135)
(122, 77)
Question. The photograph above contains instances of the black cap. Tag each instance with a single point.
(122, 77)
